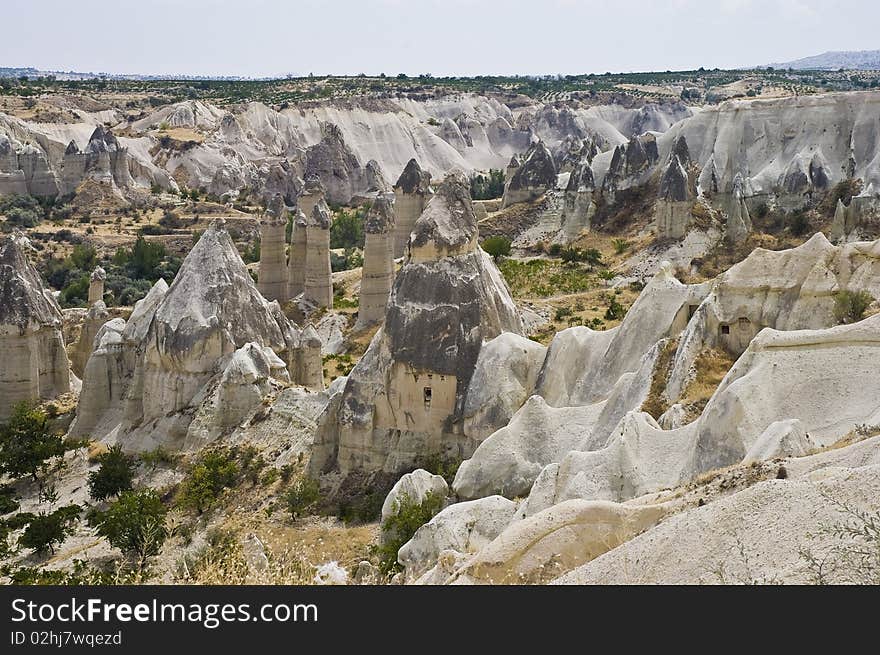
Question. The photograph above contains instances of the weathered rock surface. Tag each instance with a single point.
(273, 276)
(210, 335)
(317, 274)
(505, 375)
(404, 399)
(35, 365)
(540, 547)
(463, 528)
(533, 178)
(412, 191)
(377, 274)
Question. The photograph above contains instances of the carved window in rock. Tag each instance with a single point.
(426, 393)
(725, 329)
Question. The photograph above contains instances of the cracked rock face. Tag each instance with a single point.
(405, 398)
(533, 178)
(35, 364)
(378, 269)
(333, 162)
(179, 344)
(411, 194)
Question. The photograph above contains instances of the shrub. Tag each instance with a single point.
(251, 252)
(114, 476)
(615, 310)
(170, 220)
(561, 313)
(26, 443)
(497, 246)
(799, 223)
(401, 527)
(21, 217)
(347, 229)
(850, 306)
(620, 245)
(853, 556)
(135, 524)
(44, 531)
(76, 292)
(302, 496)
(154, 458)
(485, 187)
(208, 478)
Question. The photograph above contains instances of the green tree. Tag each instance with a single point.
(135, 524)
(615, 309)
(27, 443)
(302, 496)
(44, 531)
(114, 476)
(347, 229)
(145, 258)
(214, 472)
(84, 257)
(497, 246)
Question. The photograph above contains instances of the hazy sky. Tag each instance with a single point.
(442, 37)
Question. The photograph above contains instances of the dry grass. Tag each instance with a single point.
(293, 552)
(860, 433)
(655, 404)
(711, 366)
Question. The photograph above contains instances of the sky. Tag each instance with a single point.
(262, 38)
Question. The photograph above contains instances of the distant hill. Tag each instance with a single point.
(849, 60)
(75, 75)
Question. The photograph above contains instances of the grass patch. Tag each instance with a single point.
(655, 404)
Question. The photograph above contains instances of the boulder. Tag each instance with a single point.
(463, 528)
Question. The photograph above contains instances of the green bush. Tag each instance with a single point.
(401, 527)
(561, 313)
(135, 524)
(489, 187)
(799, 223)
(27, 443)
(620, 245)
(347, 229)
(209, 477)
(615, 309)
(497, 246)
(850, 306)
(302, 496)
(114, 476)
(154, 458)
(44, 531)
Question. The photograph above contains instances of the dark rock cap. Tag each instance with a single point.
(448, 220)
(276, 209)
(413, 179)
(320, 217)
(537, 170)
(380, 218)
